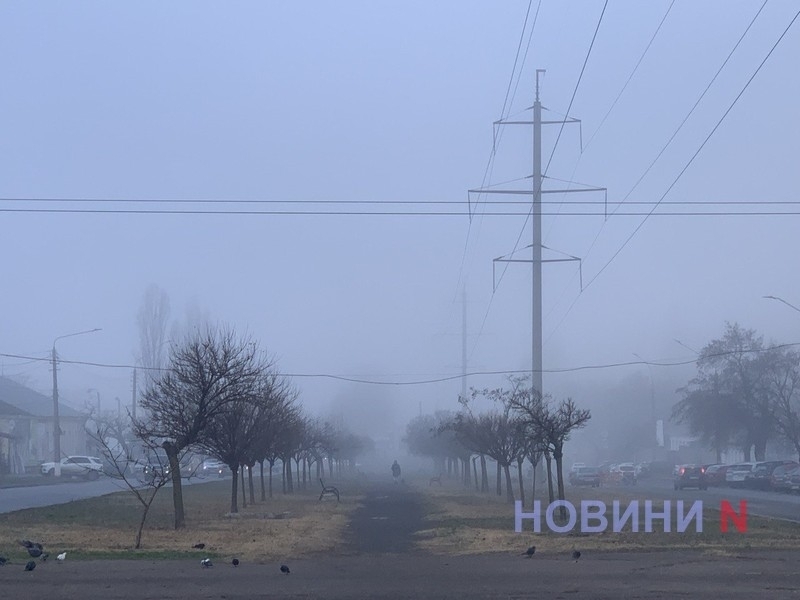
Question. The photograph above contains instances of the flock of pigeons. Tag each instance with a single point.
(35, 550)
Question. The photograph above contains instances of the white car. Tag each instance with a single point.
(736, 475)
(89, 467)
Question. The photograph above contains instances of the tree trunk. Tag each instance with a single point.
(499, 481)
(234, 488)
(559, 456)
(141, 523)
(244, 493)
(521, 482)
(271, 464)
(283, 475)
(171, 451)
(760, 450)
(549, 464)
(533, 484)
(509, 485)
(305, 463)
(475, 473)
(263, 490)
(330, 467)
(289, 477)
(484, 475)
(250, 483)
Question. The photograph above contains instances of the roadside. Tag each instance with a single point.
(667, 575)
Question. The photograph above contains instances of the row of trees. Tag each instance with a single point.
(745, 394)
(220, 395)
(525, 426)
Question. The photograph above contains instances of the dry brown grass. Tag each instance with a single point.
(281, 527)
(464, 522)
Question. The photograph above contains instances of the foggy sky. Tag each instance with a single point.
(387, 101)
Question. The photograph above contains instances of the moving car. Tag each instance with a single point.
(627, 473)
(89, 467)
(691, 476)
(585, 476)
(213, 467)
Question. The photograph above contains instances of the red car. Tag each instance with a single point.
(715, 475)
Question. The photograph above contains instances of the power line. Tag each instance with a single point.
(669, 141)
(591, 367)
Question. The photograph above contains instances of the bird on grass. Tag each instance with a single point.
(529, 552)
(285, 569)
(30, 566)
(34, 549)
(576, 554)
(206, 563)
(235, 562)
(199, 546)
(61, 557)
(44, 557)
(3, 561)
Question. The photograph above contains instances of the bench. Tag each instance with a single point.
(328, 490)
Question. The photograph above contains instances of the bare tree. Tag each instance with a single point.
(206, 373)
(121, 464)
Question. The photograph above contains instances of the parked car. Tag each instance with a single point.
(715, 475)
(691, 476)
(794, 481)
(576, 466)
(585, 476)
(738, 474)
(780, 480)
(627, 473)
(761, 477)
(89, 467)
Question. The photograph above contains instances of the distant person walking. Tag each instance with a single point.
(396, 472)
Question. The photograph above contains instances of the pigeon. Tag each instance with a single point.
(30, 566)
(206, 563)
(35, 549)
(285, 569)
(530, 551)
(3, 561)
(576, 554)
(62, 556)
(199, 546)
(44, 557)
(235, 562)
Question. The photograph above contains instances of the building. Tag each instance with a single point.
(26, 428)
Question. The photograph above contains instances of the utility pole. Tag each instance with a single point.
(56, 421)
(133, 399)
(464, 344)
(536, 259)
(536, 333)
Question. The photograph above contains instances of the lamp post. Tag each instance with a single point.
(792, 306)
(56, 422)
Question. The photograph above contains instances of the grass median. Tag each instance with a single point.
(285, 526)
(462, 521)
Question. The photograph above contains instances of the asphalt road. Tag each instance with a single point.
(19, 498)
(759, 503)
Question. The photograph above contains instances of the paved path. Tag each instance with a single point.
(387, 520)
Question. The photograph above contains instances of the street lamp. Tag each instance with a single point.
(56, 422)
(784, 301)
